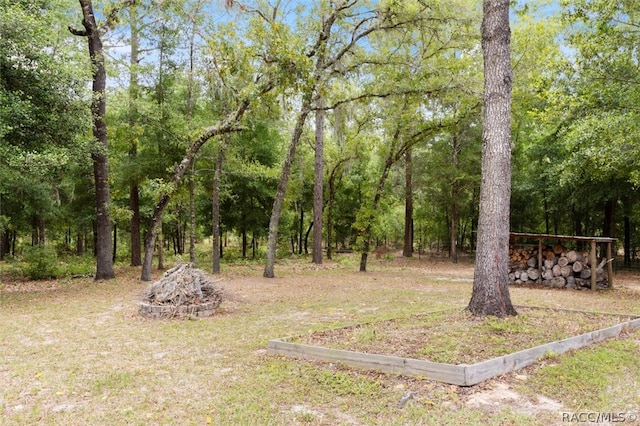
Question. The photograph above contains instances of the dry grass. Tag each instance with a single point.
(75, 352)
(457, 337)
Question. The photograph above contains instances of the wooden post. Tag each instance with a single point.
(609, 265)
(594, 272)
(539, 260)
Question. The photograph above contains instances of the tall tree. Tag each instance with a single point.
(318, 185)
(93, 33)
(491, 281)
(407, 249)
(134, 93)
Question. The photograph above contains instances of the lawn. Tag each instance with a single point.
(75, 352)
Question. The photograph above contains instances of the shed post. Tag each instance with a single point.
(609, 265)
(594, 272)
(539, 260)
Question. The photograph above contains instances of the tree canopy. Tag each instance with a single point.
(209, 104)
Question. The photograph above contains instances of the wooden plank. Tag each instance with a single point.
(562, 237)
(463, 374)
(448, 373)
(482, 371)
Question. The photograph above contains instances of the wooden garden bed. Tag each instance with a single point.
(338, 346)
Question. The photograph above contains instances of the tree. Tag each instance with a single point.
(43, 123)
(93, 33)
(407, 249)
(336, 52)
(491, 281)
(318, 186)
(134, 93)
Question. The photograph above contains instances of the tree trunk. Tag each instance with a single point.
(244, 243)
(160, 247)
(5, 243)
(192, 214)
(455, 193)
(306, 237)
(134, 191)
(407, 250)
(272, 240)
(318, 186)
(453, 234)
(217, 174)
(490, 294)
(80, 244)
(134, 206)
(115, 242)
(627, 240)
(331, 202)
(41, 231)
(104, 263)
(301, 228)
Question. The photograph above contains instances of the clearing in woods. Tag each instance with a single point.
(76, 352)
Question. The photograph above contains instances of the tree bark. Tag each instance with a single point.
(318, 186)
(104, 262)
(490, 284)
(407, 250)
(455, 193)
(192, 214)
(134, 191)
(215, 202)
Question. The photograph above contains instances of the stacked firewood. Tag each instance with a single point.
(561, 268)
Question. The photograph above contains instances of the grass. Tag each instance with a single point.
(74, 352)
(456, 337)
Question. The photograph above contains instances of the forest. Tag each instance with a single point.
(210, 129)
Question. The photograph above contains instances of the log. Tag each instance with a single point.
(558, 249)
(565, 271)
(549, 254)
(585, 273)
(524, 276)
(572, 256)
(558, 282)
(577, 266)
(571, 282)
(563, 261)
(533, 274)
(549, 263)
(532, 262)
(547, 274)
(556, 271)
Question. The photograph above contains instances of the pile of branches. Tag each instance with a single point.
(184, 285)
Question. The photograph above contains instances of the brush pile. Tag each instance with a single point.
(183, 291)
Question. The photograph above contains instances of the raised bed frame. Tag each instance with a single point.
(460, 374)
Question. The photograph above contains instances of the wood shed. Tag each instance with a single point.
(549, 263)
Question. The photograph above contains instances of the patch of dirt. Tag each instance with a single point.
(501, 394)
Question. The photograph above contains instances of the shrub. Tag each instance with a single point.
(40, 263)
